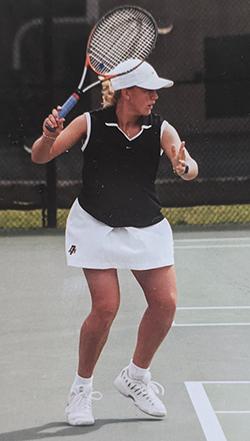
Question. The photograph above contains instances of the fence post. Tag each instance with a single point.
(51, 171)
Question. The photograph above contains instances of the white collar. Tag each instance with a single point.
(114, 124)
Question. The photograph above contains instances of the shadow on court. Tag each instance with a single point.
(62, 429)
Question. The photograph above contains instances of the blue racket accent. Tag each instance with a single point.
(101, 67)
(122, 33)
(69, 104)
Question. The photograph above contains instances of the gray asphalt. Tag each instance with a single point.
(204, 363)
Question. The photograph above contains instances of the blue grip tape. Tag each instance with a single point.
(68, 105)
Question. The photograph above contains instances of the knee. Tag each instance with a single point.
(104, 314)
(172, 301)
(165, 304)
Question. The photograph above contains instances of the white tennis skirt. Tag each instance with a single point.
(90, 243)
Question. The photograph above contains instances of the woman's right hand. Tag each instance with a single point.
(54, 122)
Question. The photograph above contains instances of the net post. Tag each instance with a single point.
(51, 169)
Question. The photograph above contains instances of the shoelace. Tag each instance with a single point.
(157, 387)
(84, 398)
(96, 395)
(150, 387)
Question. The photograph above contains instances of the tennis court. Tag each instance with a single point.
(204, 363)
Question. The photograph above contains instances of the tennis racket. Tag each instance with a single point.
(122, 33)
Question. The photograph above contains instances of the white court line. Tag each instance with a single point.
(201, 308)
(207, 308)
(180, 325)
(208, 420)
(203, 243)
(205, 246)
(226, 382)
(237, 412)
(214, 239)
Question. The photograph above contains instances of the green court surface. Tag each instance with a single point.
(204, 364)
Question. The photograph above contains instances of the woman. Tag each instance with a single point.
(116, 222)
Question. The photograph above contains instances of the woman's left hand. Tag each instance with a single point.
(179, 159)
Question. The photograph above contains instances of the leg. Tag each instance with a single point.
(104, 290)
(159, 286)
(134, 381)
(105, 295)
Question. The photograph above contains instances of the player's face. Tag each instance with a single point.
(142, 101)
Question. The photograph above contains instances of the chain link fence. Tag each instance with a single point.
(203, 45)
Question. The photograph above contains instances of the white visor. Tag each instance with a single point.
(143, 76)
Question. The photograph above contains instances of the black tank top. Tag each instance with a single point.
(119, 173)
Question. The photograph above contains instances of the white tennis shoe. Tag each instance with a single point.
(143, 393)
(79, 406)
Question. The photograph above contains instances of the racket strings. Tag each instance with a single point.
(116, 50)
(126, 33)
(121, 37)
(131, 43)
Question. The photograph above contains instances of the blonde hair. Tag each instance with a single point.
(109, 96)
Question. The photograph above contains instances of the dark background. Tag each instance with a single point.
(207, 54)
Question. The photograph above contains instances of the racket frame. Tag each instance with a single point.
(70, 103)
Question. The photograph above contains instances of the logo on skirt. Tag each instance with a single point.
(72, 250)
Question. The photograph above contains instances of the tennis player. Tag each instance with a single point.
(116, 222)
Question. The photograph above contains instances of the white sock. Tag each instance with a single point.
(78, 381)
(136, 372)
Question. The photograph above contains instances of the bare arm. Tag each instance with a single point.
(177, 153)
(52, 144)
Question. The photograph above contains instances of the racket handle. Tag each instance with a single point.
(69, 104)
(66, 108)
